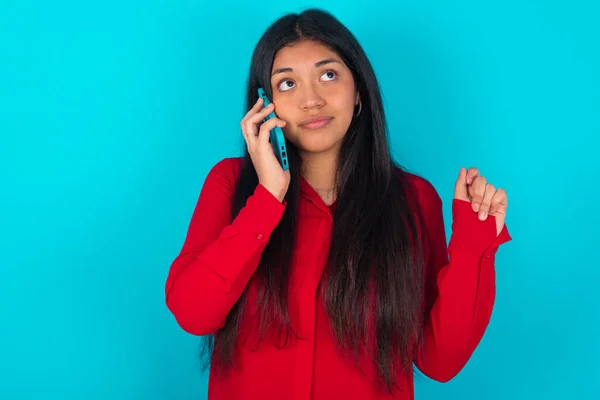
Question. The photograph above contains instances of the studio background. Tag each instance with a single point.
(113, 112)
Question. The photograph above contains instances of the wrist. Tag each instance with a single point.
(279, 194)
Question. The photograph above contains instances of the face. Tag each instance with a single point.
(310, 82)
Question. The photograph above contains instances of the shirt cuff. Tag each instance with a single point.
(471, 235)
(262, 213)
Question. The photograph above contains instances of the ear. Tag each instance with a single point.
(357, 99)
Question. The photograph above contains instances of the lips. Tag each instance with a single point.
(315, 122)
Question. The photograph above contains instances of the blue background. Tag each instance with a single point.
(113, 112)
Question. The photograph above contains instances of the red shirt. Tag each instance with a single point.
(219, 257)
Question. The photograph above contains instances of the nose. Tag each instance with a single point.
(311, 98)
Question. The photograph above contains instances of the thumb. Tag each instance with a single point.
(460, 188)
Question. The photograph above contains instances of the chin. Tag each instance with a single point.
(318, 145)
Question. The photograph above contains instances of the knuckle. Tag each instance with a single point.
(270, 124)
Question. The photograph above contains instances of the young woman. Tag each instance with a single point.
(329, 280)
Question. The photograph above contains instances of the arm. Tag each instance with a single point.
(460, 288)
(219, 256)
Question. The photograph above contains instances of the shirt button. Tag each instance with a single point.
(259, 236)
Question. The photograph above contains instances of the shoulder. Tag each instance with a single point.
(228, 169)
(427, 204)
(223, 176)
(423, 189)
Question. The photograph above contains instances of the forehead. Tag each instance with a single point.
(304, 53)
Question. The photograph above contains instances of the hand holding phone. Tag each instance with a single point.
(257, 127)
(276, 137)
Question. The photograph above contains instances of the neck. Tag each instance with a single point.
(319, 170)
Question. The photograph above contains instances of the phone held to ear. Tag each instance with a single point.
(276, 135)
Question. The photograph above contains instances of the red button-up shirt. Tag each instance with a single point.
(220, 255)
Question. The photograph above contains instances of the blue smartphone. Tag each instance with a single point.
(276, 135)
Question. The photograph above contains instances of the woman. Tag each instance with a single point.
(330, 279)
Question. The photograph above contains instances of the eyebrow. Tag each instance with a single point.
(317, 65)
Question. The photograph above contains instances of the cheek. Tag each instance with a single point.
(346, 110)
(280, 110)
(345, 105)
(290, 134)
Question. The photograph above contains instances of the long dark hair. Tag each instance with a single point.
(375, 268)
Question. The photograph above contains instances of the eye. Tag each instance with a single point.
(288, 84)
(330, 74)
(285, 85)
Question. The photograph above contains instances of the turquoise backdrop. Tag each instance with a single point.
(112, 113)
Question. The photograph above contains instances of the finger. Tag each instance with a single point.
(252, 122)
(255, 108)
(460, 187)
(477, 190)
(499, 202)
(263, 135)
(259, 116)
(484, 209)
(250, 131)
(251, 112)
(247, 137)
(472, 173)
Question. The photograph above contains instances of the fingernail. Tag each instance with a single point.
(482, 215)
(475, 207)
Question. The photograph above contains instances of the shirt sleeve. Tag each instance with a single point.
(459, 286)
(219, 254)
